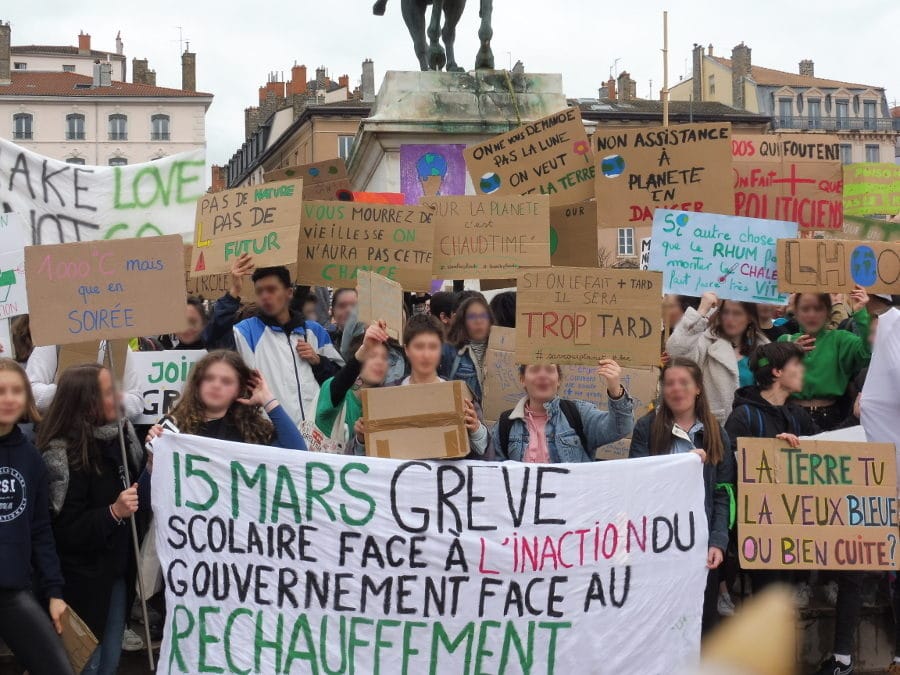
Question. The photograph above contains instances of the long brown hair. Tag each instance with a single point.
(750, 339)
(458, 333)
(20, 334)
(31, 413)
(661, 429)
(76, 410)
(190, 412)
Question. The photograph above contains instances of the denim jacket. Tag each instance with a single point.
(600, 428)
(459, 364)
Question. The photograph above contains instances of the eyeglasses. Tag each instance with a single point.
(478, 317)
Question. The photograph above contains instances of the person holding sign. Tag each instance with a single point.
(224, 399)
(90, 505)
(467, 340)
(545, 428)
(833, 357)
(684, 422)
(719, 337)
(26, 537)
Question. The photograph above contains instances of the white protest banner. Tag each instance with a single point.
(731, 256)
(6, 339)
(13, 296)
(645, 253)
(159, 377)
(63, 202)
(280, 561)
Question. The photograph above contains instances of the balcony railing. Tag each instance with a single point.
(159, 136)
(837, 123)
(118, 135)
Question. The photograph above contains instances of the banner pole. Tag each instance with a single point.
(120, 421)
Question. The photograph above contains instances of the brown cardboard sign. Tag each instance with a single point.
(339, 239)
(431, 426)
(78, 640)
(210, 286)
(325, 180)
(92, 352)
(550, 156)
(573, 235)
(577, 315)
(872, 189)
(380, 299)
(837, 266)
(262, 220)
(824, 505)
(685, 167)
(792, 177)
(488, 237)
(114, 288)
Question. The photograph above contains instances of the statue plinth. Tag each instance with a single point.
(440, 108)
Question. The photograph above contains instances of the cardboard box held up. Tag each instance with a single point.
(432, 426)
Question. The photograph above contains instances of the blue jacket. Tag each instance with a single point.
(459, 364)
(600, 428)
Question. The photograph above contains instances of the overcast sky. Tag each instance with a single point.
(239, 42)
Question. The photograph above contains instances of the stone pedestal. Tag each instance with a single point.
(441, 108)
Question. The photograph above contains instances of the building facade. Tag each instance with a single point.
(95, 118)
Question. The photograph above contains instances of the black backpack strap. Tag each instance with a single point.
(504, 424)
(573, 416)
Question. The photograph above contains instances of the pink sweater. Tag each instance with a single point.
(536, 424)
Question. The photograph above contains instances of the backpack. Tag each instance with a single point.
(568, 408)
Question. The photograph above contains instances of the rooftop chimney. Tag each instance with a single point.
(139, 71)
(807, 68)
(84, 43)
(321, 77)
(609, 89)
(96, 82)
(368, 81)
(298, 80)
(740, 69)
(697, 76)
(106, 74)
(344, 81)
(188, 71)
(5, 31)
(120, 46)
(626, 86)
(709, 49)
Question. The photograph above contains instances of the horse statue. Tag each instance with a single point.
(431, 54)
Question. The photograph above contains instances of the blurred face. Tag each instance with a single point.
(734, 319)
(791, 377)
(309, 311)
(812, 314)
(108, 405)
(13, 397)
(424, 353)
(195, 326)
(478, 322)
(671, 310)
(374, 370)
(272, 296)
(766, 313)
(680, 392)
(344, 304)
(219, 387)
(541, 382)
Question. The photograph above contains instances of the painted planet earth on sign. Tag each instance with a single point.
(863, 266)
(490, 182)
(612, 166)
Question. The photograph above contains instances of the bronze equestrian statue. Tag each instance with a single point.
(431, 54)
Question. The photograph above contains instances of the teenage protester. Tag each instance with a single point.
(674, 307)
(309, 307)
(225, 400)
(294, 355)
(354, 329)
(718, 336)
(26, 538)
(833, 357)
(467, 341)
(503, 307)
(767, 317)
(91, 504)
(683, 422)
(442, 306)
(343, 302)
(423, 341)
(545, 428)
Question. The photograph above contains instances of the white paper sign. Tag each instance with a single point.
(6, 340)
(880, 403)
(13, 297)
(279, 561)
(159, 378)
(61, 202)
(645, 253)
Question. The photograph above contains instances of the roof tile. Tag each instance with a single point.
(780, 78)
(34, 83)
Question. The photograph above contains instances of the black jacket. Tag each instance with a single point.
(752, 416)
(26, 537)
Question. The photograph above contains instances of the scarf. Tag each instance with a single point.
(479, 349)
(57, 460)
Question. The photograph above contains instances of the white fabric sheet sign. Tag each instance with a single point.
(158, 377)
(880, 403)
(279, 561)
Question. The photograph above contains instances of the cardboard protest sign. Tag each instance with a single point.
(433, 557)
(573, 235)
(824, 505)
(78, 640)
(730, 256)
(793, 177)
(321, 180)
(395, 198)
(872, 189)
(209, 285)
(837, 266)
(61, 202)
(159, 378)
(575, 315)
(79, 353)
(686, 167)
(339, 239)
(432, 171)
(420, 421)
(13, 296)
(262, 221)
(96, 290)
(870, 229)
(380, 299)
(550, 156)
(489, 237)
